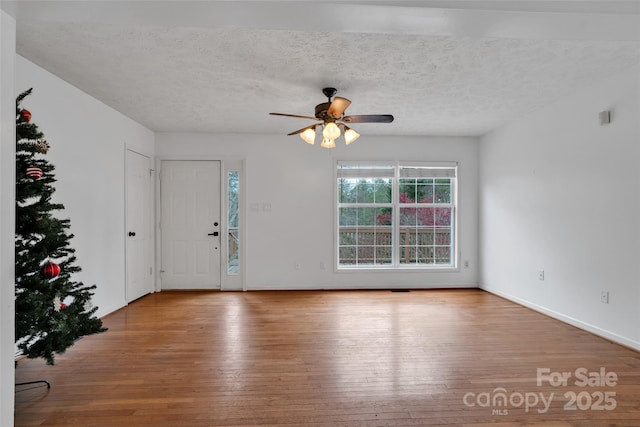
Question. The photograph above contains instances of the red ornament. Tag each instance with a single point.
(63, 306)
(34, 172)
(50, 270)
(26, 114)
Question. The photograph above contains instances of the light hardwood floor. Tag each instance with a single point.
(330, 358)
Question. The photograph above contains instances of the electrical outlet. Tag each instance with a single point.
(322, 266)
(296, 265)
(604, 297)
(466, 263)
(540, 274)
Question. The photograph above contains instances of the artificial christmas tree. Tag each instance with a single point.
(52, 310)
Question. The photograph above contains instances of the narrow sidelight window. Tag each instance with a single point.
(233, 237)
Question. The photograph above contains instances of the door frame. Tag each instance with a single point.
(152, 235)
(227, 164)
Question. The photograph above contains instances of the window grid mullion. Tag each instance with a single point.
(395, 218)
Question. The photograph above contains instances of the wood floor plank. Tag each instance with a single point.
(329, 358)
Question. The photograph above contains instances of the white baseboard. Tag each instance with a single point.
(369, 286)
(611, 336)
(110, 309)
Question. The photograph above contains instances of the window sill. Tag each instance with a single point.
(390, 269)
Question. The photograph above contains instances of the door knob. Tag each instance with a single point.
(215, 233)
(132, 233)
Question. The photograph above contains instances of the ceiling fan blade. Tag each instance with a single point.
(338, 105)
(301, 130)
(295, 115)
(369, 118)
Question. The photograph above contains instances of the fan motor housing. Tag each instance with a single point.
(322, 110)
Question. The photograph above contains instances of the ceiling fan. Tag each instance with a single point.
(330, 115)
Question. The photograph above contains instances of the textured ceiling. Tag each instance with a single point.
(186, 76)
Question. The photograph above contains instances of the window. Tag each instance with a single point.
(396, 215)
(233, 237)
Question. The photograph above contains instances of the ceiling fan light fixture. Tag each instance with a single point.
(331, 131)
(309, 135)
(328, 143)
(331, 117)
(350, 135)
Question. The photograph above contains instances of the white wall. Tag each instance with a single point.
(7, 216)
(87, 141)
(560, 193)
(297, 180)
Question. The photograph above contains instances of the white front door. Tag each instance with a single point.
(190, 224)
(138, 226)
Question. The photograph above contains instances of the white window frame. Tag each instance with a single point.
(448, 169)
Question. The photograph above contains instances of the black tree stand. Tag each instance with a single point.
(35, 382)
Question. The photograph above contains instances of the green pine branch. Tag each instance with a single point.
(43, 328)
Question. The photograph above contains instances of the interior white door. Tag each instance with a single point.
(139, 246)
(190, 224)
